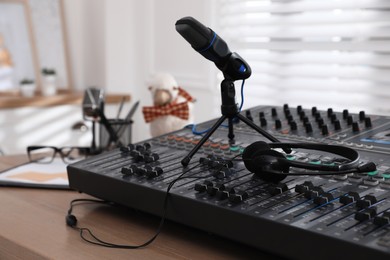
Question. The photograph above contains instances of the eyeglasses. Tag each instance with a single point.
(46, 154)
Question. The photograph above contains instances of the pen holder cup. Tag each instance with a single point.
(121, 127)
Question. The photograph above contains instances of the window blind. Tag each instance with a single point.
(333, 53)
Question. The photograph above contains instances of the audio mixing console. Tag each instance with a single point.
(325, 217)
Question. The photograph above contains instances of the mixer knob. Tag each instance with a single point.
(261, 114)
(355, 127)
(351, 197)
(305, 120)
(333, 118)
(302, 115)
(345, 113)
(323, 199)
(313, 110)
(349, 120)
(365, 214)
(367, 122)
(362, 115)
(263, 121)
(299, 109)
(239, 196)
(287, 112)
(317, 116)
(330, 112)
(278, 189)
(382, 220)
(274, 112)
(248, 115)
(200, 187)
(337, 125)
(285, 107)
(289, 118)
(302, 188)
(366, 202)
(278, 124)
(320, 122)
(325, 130)
(309, 128)
(293, 126)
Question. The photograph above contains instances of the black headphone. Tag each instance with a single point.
(273, 166)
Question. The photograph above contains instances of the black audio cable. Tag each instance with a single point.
(71, 220)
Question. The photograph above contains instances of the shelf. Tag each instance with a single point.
(17, 101)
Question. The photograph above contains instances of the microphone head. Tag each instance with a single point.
(212, 47)
(198, 35)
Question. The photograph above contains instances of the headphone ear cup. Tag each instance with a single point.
(266, 166)
(251, 152)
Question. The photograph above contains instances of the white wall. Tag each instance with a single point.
(119, 44)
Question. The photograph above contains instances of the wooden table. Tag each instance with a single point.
(32, 226)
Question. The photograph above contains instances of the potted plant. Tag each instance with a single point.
(49, 86)
(27, 87)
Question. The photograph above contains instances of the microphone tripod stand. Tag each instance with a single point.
(229, 111)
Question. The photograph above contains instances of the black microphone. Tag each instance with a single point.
(212, 47)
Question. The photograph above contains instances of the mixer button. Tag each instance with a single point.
(314, 192)
(200, 187)
(350, 197)
(239, 196)
(370, 181)
(151, 157)
(365, 214)
(382, 220)
(302, 188)
(366, 202)
(323, 199)
(129, 170)
(222, 194)
(212, 190)
(278, 189)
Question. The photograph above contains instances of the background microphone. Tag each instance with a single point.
(212, 47)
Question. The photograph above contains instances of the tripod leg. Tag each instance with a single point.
(261, 131)
(186, 160)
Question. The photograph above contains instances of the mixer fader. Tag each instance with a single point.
(326, 216)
